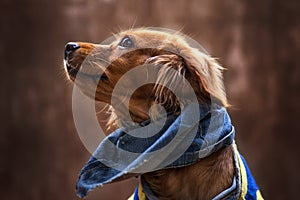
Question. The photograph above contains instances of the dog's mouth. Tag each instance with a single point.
(74, 71)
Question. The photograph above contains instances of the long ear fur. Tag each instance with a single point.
(208, 72)
(170, 78)
(202, 71)
(206, 69)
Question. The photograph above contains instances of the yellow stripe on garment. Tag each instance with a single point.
(131, 197)
(259, 196)
(244, 183)
(141, 193)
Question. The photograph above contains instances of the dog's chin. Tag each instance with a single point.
(74, 72)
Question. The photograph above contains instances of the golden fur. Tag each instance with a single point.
(209, 176)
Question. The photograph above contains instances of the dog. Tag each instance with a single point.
(223, 173)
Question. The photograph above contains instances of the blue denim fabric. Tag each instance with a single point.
(205, 135)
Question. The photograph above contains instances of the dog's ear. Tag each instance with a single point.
(208, 72)
(202, 71)
(169, 79)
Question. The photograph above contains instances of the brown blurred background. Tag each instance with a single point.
(258, 41)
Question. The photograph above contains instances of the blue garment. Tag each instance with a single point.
(179, 141)
(249, 188)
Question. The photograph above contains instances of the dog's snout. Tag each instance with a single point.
(70, 48)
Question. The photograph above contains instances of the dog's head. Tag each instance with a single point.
(101, 66)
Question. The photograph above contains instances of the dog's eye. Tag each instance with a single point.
(126, 42)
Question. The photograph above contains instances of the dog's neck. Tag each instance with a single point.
(140, 110)
(137, 112)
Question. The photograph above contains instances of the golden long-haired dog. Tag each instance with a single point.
(204, 179)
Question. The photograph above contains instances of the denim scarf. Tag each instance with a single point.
(176, 141)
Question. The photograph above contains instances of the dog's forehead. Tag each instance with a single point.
(147, 34)
(152, 38)
(148, 37)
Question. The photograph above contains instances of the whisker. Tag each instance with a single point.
(133, 24)
(98, 65)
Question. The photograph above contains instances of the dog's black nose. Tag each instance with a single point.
(70, 48)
